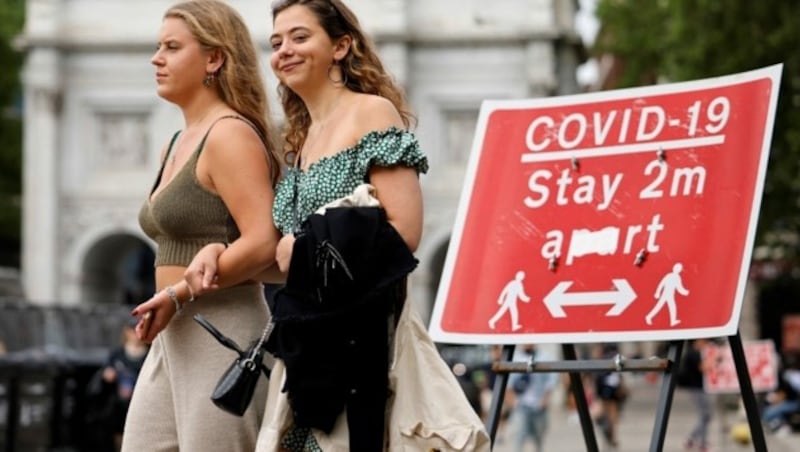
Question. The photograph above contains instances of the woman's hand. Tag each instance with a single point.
(201, 274)
(155, 315)
(283, 254)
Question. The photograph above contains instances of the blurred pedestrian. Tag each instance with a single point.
(532, 402)
(784, 402)
(571, 405)
(611, 393)
(470, 382)
(487, 393)
(120, 374)
(690, 379)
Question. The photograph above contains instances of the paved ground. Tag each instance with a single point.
(636, 426)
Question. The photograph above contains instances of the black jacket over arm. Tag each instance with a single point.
(332, 319)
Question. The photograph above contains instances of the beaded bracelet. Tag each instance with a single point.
(174, 297)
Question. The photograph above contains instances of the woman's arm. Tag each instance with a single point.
(397, 188)
(399, 192)
(234, 165)
(201, 274)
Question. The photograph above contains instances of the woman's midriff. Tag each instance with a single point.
(168, 275)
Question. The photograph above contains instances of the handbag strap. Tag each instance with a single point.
(231, 344)
(264, 336)
(224, 340)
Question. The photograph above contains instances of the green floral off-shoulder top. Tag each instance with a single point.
(338, 175)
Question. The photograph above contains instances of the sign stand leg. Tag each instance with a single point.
(665, 398)
(576, 385)
(748, 396)
(667, 366)
(498, 394)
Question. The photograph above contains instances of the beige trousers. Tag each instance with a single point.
(171, 408)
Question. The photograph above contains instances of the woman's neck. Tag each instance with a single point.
(201, 109)
(324, 104)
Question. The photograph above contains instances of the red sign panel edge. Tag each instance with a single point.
(489, 106)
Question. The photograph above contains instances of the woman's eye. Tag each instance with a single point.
(276, 45)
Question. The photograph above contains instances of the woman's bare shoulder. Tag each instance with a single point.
(232, 132)
(374, 112)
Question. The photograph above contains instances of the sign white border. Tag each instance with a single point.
(489, 106)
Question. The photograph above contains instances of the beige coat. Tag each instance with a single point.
(427, 411)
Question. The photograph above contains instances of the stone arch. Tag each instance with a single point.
(94, 267)
(117, 269)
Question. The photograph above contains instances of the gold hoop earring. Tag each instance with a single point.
(343, 80)
(209, 80)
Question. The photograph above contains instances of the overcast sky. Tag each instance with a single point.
(585, 21)
(587, 25)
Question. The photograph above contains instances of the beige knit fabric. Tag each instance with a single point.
(171, 408)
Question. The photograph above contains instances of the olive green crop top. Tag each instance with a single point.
(184, 216)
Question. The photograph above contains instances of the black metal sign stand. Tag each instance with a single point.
(667, 366)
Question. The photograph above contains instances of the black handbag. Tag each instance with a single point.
(235, 388)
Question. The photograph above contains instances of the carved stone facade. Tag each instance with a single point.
(94, 125)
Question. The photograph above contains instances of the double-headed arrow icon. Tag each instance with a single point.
(620, 298)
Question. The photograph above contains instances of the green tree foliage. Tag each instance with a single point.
(678, 40)
(11, 22)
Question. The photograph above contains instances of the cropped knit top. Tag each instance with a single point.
(185, 216)
(300, 193)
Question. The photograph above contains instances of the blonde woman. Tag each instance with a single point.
(215, 185)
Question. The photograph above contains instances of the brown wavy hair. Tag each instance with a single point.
(361, 68)
(217, 26)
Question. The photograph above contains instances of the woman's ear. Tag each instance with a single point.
(214, 61)
(342, 47)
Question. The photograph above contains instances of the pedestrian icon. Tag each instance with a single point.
(665, 294)
(508, 302)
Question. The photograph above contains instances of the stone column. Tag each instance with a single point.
(42, 88)
(540, 67)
